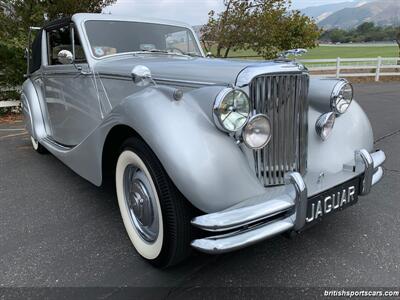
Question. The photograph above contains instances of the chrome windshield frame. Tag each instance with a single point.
(193, 36)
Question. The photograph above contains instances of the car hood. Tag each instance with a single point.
(176, 68)
(179, 68)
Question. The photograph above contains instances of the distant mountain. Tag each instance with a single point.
(350, 14)
(323, 11)
(382, 12)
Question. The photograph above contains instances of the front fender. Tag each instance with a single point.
(352, 131)
(205, 164)
(32, 111)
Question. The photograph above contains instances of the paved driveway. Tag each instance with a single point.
(59, 230)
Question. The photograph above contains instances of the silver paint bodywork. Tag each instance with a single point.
(71, 112)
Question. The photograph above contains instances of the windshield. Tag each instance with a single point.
(112, 37)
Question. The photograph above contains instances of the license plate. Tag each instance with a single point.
(332, 200)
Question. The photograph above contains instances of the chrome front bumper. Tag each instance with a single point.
(258, 219)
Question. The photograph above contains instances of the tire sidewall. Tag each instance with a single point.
(131, 156)
(35, 144)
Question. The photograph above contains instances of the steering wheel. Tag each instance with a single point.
(173, 49)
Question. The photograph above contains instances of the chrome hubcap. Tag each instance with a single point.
(141, 203)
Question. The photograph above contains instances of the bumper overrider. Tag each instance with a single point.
(260, 219)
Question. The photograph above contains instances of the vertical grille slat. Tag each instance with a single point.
(269, 148)
(295, 132)
(274, 144)
(283, 97)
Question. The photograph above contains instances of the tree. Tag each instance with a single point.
(338, 36)
(266, 26)
(366, 32)
(228, 29)
(56, 8)
(366, 27)
(278, 29)
(16, 16)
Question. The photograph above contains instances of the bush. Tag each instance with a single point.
(9, 95)
(366, 32)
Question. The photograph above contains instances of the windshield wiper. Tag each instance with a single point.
(192, 54)
(150, 51)
(156, 51)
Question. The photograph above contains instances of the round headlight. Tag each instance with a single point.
(231, 110)
(325, 124)
(342, 95)
(257, 132)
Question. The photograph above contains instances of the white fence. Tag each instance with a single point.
(4, 104)
(355, 67)
(10, 102)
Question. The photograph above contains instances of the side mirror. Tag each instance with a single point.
(141, 75)
(209, 54)
(65, 57)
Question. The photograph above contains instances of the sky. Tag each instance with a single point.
(193, 12)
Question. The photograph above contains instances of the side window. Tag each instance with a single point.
(58, 39)
(35, 53)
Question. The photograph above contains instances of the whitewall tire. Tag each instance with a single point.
(155, 214)
(147, 249)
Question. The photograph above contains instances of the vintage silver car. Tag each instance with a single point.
(205, 153)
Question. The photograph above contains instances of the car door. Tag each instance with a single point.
(70, 91)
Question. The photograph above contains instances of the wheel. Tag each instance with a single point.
(37, 146)
(155, 214)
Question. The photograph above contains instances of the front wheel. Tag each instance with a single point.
(155, 214)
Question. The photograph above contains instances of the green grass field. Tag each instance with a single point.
(343, 51)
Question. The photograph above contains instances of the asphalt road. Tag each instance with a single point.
(58, 230)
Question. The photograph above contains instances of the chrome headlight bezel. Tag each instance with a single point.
(339, 104)
(325, 121)
(250, 123)
(218, 119)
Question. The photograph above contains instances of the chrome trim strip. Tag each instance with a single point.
(115, 76)
(243, 238)
(186, 82)
(167, 81)
(247, 74)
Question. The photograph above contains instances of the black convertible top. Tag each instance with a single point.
(36, 61)
(56, 23)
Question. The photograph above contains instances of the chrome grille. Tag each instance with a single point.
(283, 98)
